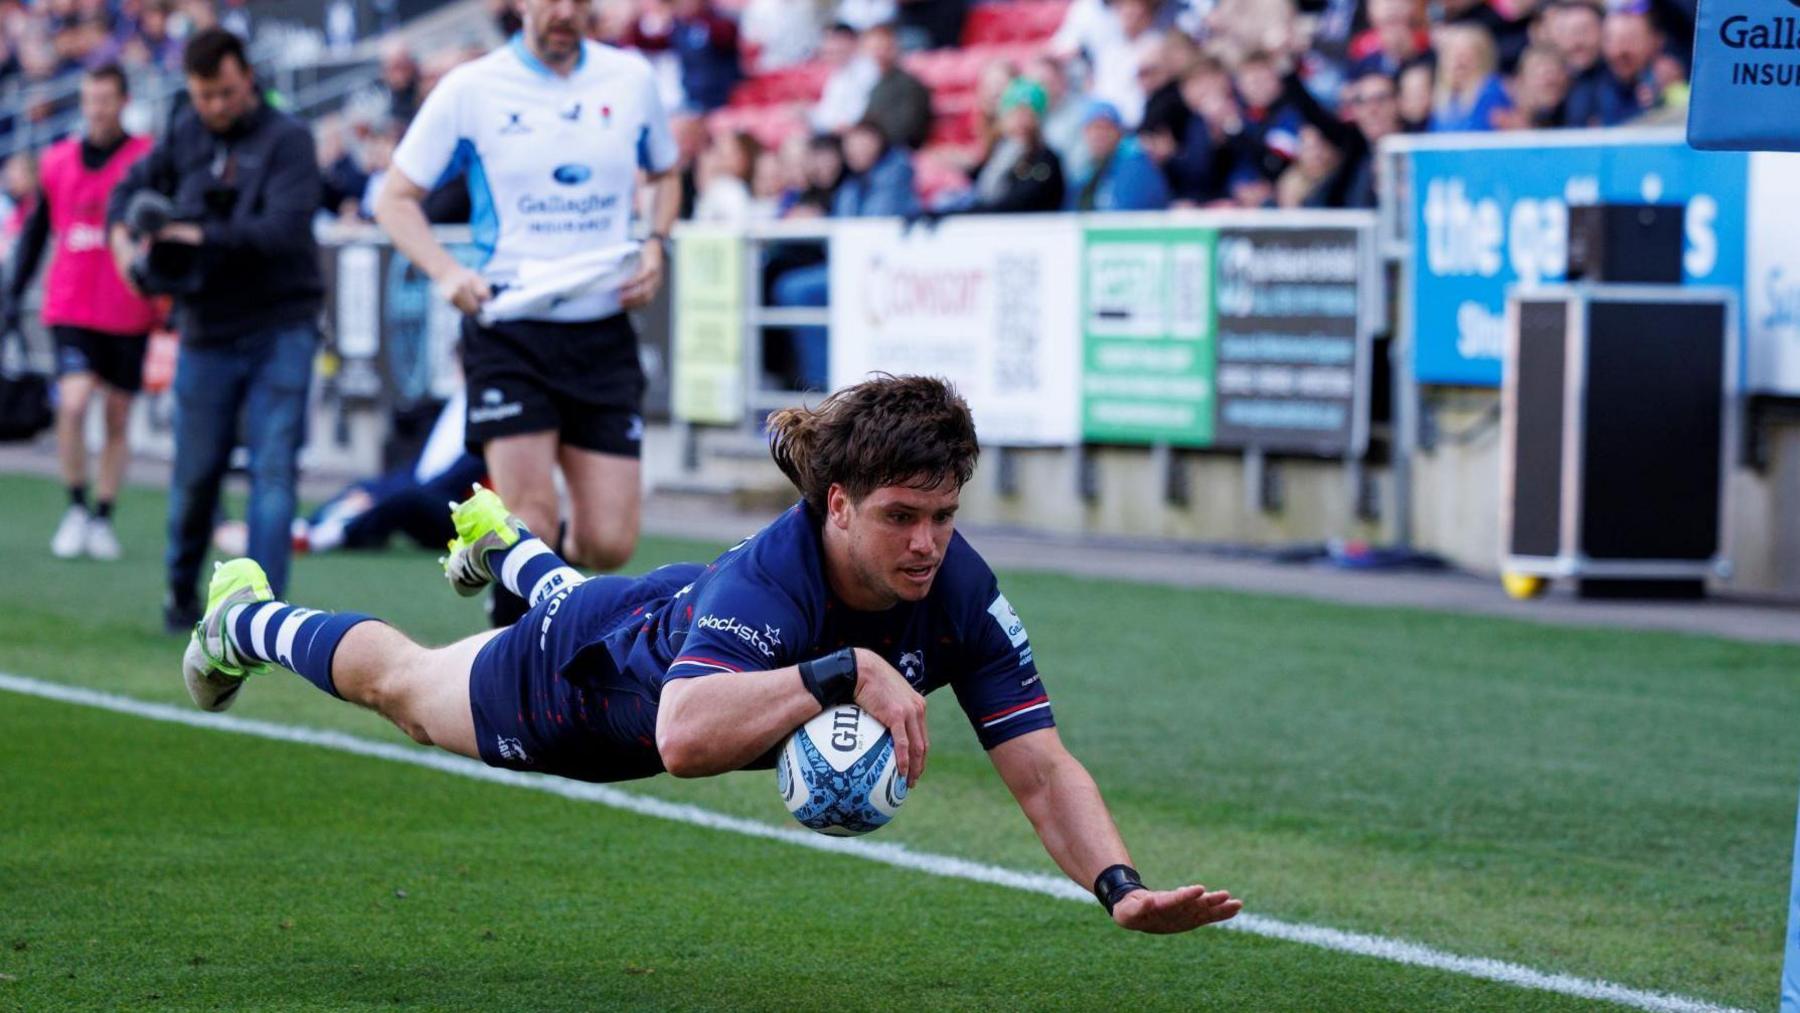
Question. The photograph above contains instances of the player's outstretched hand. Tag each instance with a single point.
(891, 700)
(1161, 912)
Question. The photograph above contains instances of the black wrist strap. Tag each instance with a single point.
(1111, 886)
(831, 679)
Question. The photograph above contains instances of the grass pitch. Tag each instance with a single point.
(1607, 804)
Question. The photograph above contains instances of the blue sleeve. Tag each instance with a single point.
(999, 689)
(1143, 185)
(740, 622)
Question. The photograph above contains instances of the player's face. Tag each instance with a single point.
(555, 27)
(897, 539)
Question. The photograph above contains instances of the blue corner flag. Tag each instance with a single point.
(1746, 77)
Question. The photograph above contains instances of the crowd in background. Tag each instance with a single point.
(1117, 105)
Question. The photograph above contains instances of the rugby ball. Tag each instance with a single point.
(837, 773)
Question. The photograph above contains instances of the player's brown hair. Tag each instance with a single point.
(888, 430)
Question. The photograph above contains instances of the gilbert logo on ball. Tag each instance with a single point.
(837, 773)
(1746, 76)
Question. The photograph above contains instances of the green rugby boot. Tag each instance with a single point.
(211, 666)
(483, 525)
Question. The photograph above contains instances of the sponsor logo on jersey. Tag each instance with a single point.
(571, 173)
(515, 124)
(1010, 623)
(767, 640)
(571, 112)
(558, 204)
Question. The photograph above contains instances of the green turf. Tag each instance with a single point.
(1607, 804)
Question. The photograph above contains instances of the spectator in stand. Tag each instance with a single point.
(1063, 124)
(1623, 85)
(780, 33)
(1574, 28)
(822, 171)
(1164, 59)
(725, 179)
(342, 178)
(702, 39)
(1470, 93)
(1199, 170)
(1271, 119)
(1307, 182)
(878, 177)
(1540, 91)
(932, 24)
(1417, 91)
(1396, 37)
(20, 180)
(898, 104)
(1122, 178)
(1509, 34)
(399, 82)
(768, 186)
(1371, 104)
(1250, 189)
(847, 87)
(378, 158)
(1116, 65)
(1030, 178)
(992, 83)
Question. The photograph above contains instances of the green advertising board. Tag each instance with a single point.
(1148, 333)
(708, 375)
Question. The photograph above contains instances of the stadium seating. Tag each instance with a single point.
(772, 106)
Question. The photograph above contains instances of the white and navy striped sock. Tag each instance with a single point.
(532, 571)
(301, 639)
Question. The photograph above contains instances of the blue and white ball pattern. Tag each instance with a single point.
(837, 773)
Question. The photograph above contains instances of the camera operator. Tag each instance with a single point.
(219, 214)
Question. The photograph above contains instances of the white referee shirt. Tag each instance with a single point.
(551, 161)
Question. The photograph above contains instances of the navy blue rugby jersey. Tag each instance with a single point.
(765, 604)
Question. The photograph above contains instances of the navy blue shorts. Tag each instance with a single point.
(547, 695)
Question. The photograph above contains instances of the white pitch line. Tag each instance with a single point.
(897, 855)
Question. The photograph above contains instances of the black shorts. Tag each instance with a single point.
(117, 359)
(580, 380)
(546, 695)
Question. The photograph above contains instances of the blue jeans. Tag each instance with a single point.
(262, 377)
(808, 286)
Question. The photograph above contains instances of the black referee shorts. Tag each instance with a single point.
(581, 380)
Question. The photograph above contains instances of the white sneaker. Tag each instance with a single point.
(102, 541)
(71, 533)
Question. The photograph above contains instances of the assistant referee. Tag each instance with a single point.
(551, 131)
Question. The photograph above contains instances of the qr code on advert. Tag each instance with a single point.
(1016, 301)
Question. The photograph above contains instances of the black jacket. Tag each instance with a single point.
(1035, 184)
(253, 189)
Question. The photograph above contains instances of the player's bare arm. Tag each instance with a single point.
(723, 722)
(665, 190)
(400, 211)
(1064, 806)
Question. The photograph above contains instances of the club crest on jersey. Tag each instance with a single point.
(606, 116)
(572, 112)
(912, 665)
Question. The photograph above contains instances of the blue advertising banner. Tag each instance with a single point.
(1744, 95)
(1487, 218)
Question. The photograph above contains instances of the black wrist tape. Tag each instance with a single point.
(1111, 886)
(831, 679)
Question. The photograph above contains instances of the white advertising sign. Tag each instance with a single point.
(991, 304)
(1772, 276)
